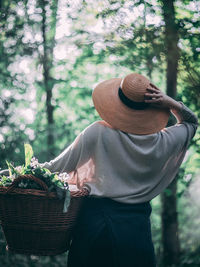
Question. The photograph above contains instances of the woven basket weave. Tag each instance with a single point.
(33, 221)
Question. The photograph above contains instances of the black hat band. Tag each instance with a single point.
(130, 103)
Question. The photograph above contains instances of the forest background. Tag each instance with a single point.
(52, 55)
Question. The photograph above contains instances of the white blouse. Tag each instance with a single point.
(126, 167)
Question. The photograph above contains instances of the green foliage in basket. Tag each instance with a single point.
(56, 182)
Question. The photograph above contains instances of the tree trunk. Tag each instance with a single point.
(48, 46)
(170, 237)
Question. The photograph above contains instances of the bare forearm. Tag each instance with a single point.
(176, 108)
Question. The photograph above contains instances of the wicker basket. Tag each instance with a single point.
(32, 220)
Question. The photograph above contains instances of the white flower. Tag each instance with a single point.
(13, 176)
(63, 178)
(18, 169)
(34, 163)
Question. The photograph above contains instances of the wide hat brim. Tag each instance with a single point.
(119, 116)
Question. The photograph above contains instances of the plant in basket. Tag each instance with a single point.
(55, 182)
(37, 210)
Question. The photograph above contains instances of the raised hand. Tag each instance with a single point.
(159, 99)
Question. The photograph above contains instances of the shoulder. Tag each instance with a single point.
(96, 126)
(177, 131)
(96, 131)
(178, 135)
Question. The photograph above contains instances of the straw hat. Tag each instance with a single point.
(120, 102)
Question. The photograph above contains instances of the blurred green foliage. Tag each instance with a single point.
(87, 42)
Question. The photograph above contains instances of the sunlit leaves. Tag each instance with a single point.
(28, 154)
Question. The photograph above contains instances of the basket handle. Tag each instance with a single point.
(25, 177)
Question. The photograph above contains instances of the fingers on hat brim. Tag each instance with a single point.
(114, 112)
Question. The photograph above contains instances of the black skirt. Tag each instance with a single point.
(112, 234)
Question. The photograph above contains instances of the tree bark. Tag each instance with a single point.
(170, 237)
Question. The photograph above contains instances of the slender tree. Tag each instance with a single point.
(170, 237)
(48, 34)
